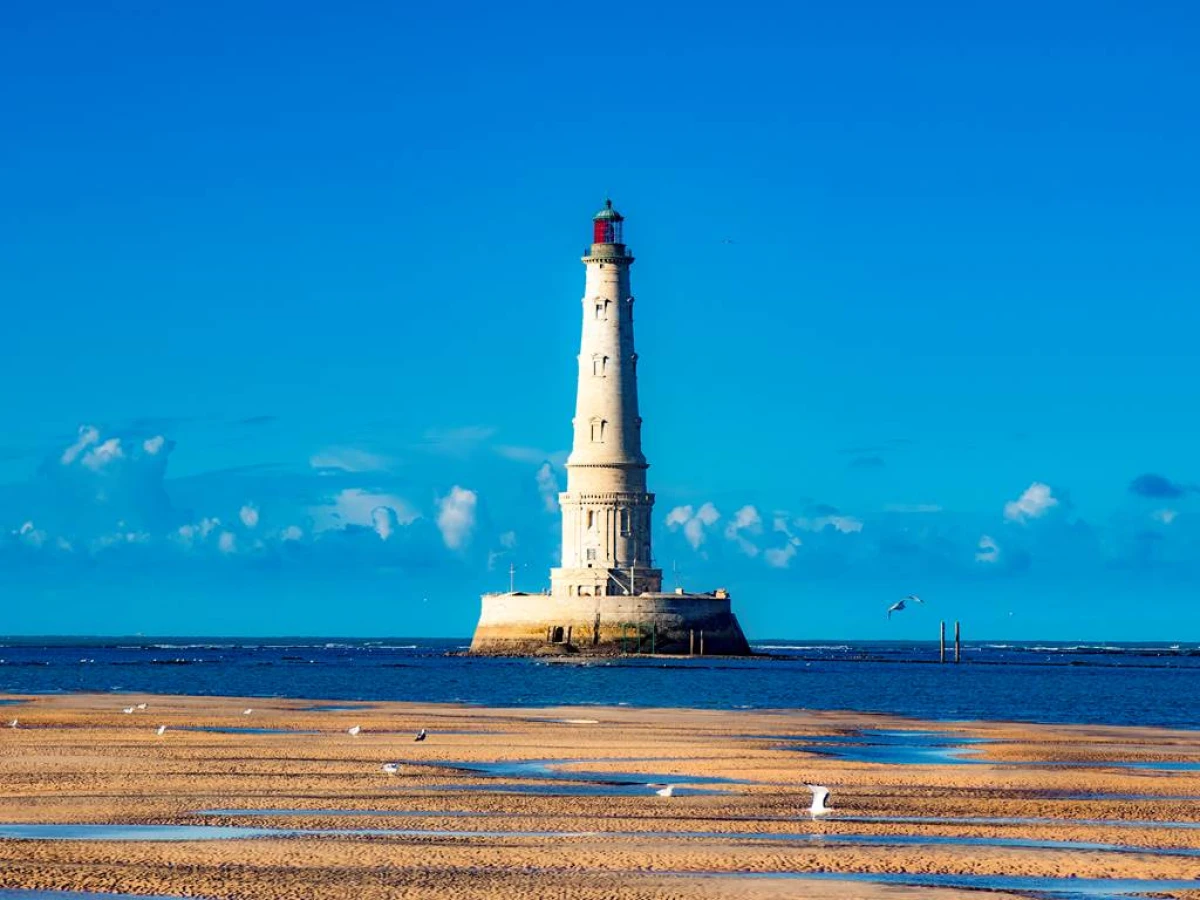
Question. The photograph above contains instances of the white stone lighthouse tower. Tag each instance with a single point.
(606, 546)
(606, 597)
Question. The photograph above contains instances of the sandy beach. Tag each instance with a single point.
(339, 826)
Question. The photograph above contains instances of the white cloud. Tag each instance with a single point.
(843, 524)
(456, 516)
(356, 507)
(207, 526)
(102, 454)
(1033, 504)
(154, 444)
(780, 557)
(227, 542)
(988, 550)
(249, 515)
(695, 522)
(350, 459)
(384, 521)
(745, 521)
(548, 487)
(88, 435)
(27, 534)
(291, 533)
(508, 540)
(1166, 516)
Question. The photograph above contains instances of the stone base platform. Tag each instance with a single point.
(676, 624)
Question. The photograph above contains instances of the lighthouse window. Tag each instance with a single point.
(598, 431)
(591, 553)
(599, 365)
(624, 523)
(600, 311)
(591, 519)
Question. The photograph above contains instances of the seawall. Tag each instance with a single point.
(680, 624)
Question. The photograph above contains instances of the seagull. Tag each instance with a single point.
(820, 795)
(353, 732)
(140, 706)
(391, 768)
(162, 729)
(668, 791)
(246, 712)
(898, 606)
(12, 724)
(914, 598)
(128, 710)
(421, 735)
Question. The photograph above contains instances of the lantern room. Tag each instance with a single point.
(606, 225)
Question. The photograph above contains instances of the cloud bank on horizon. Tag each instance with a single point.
(458, 511)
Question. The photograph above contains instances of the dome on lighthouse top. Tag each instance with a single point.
(608, 214)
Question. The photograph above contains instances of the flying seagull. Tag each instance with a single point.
(898, 606)
(820, 796)
(353, 732)
(421, 735)
(391, 768)
(668, 791)
(162, 729)
(914, 598)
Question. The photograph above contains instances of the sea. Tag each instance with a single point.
(1150, 684)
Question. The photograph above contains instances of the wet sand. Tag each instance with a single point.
(79, 759)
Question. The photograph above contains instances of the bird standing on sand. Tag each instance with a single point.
(391, 768)
(820, 797)
(421, 735)
(353, 732)
(12, 724)
(128, 710)
(162, 729)
(246, 712)
(668, 791)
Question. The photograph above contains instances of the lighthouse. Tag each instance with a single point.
(606, 597)
(606, 509)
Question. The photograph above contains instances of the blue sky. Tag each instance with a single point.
(917, 309)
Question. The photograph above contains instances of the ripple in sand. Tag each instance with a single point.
(1044, 888)
(22, 894)
(549, 770)
(233, 729)
(101, 832)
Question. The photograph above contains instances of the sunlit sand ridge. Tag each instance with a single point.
(566, 803)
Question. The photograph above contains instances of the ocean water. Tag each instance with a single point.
(1120, 684)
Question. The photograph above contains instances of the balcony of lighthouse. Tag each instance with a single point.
(603, 253)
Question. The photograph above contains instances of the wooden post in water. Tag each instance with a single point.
(942, 642)
(701, 641)
(692, 642)
(653, 638)
(957, 643)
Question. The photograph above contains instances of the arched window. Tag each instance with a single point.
(598, 429)
(599, 365)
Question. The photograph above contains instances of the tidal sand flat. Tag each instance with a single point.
(563, 803)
